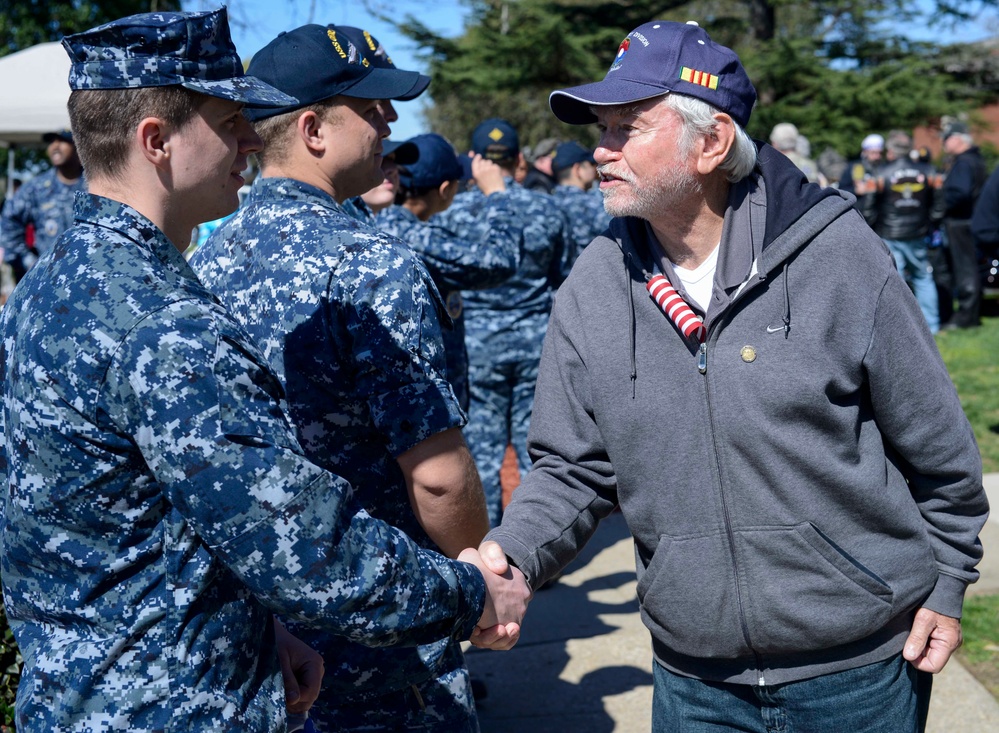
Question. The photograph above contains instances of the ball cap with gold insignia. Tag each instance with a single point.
(315, 62)
(659, 58)
(191, 50)
(375, 52)
(495, 139)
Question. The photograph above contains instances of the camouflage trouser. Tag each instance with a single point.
(441, 705)
(502, 395)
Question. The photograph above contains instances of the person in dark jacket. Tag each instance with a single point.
(905, 206)
(859, 176)
(738, 366)
(985, 218)
(961, 189)
(540, 175)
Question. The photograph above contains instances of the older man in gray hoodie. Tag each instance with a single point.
(739, 366)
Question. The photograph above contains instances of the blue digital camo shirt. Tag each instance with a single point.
(547, 252)
(153, 488)
(486, 258)
(44, 201)
(351, 322)
(585, 213)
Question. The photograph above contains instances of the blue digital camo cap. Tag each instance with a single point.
(658, 58)
(315, 62)
(375, 52)
(437, 163)
(191, 50)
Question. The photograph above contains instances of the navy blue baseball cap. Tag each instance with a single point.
(570, 153)
(191, 50)
(314, 62)
(376, 54)
(404, 152)
(659, 58)
(495, 139)
(66, 135)
(437, 163)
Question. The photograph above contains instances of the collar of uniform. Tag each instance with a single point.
(128, 222)
(266, 189)
(397, 212)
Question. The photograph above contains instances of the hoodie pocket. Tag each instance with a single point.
(804, 592)
(689, 597)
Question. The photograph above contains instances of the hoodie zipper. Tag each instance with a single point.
(702, 367)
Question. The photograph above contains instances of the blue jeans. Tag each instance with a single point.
(913, 263)
(884, 697)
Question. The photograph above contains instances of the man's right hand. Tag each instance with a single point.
(507, 596)
(488, 176)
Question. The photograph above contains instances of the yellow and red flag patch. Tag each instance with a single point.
(699, 77)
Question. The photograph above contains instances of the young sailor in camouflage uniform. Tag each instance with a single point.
(576, 172)
(156, 505)
(45, 202)
(505, 326)
(351, 321)
(428, 187)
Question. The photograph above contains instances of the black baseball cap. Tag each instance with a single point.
(314, 62)
(376, 54)
(495, 139)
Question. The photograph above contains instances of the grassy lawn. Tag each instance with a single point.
(980, 653)
(972, 357)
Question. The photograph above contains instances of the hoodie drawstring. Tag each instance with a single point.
(787, 303)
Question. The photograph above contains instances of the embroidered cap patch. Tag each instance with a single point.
(699, 77)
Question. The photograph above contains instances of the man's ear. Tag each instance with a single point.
(714, 147)
(309, 127)
(153, 136)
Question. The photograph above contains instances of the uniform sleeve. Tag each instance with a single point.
(918, 411)
(565, 250)
(571, 485)
(393, 315)
(13, 222)
(486, 256)
(207, 419)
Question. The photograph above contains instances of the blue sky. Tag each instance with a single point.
(255, 22)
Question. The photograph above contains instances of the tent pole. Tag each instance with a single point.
(11, 154)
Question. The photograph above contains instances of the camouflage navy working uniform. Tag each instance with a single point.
(44, 201)
(155, 492)
(484, 260)
(585, 213)
(504, 328)
(355, 208)
(351, 322)
(156, 506)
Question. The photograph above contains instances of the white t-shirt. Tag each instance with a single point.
(699, 282)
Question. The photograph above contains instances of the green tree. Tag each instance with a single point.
(836, 68)
(24, 24)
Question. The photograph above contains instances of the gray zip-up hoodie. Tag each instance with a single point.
(796, 487)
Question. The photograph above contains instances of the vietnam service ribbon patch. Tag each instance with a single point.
(699, 77)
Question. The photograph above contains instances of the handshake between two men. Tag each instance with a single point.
(507, 596)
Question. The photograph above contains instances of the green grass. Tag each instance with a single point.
(972, 358)
(980, 653)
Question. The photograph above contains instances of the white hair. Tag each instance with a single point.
(698, 119)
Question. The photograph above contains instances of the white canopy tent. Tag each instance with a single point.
(34, 89)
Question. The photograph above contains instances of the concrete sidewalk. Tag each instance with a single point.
(584, 661)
